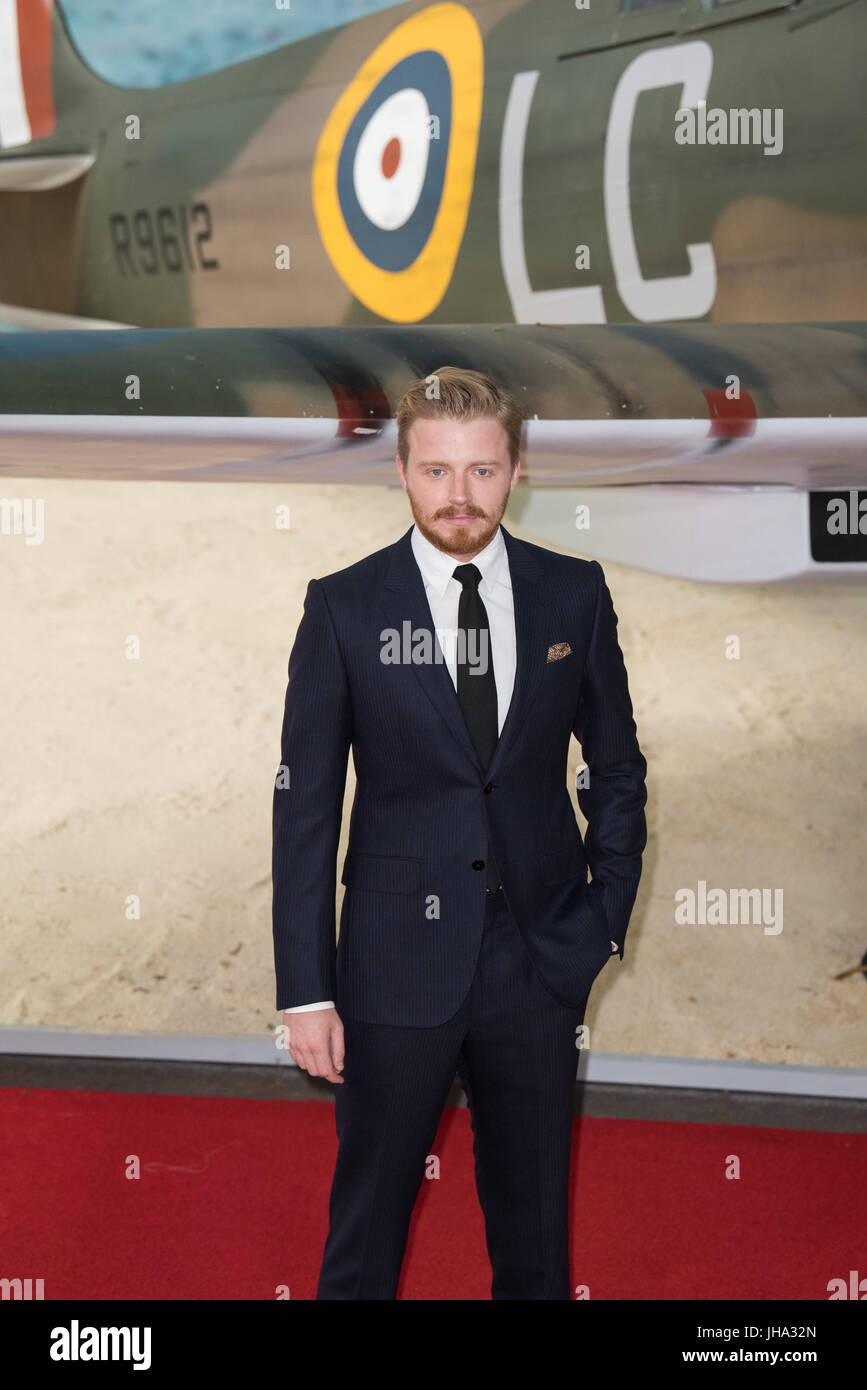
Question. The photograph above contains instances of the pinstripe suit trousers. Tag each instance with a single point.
(513, 1045)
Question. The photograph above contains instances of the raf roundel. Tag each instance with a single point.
(393, 172)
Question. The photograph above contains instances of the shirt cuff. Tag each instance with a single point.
(308, 1008)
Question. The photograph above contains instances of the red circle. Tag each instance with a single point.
(391, 157)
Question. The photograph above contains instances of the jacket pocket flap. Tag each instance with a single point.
(566, 862)
(382, 873)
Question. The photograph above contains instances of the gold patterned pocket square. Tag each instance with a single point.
(558, 650)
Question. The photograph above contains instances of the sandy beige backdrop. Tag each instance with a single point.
(154, 776)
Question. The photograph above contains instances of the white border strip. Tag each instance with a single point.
(19, 316)
(694, 1073)
(14, 122)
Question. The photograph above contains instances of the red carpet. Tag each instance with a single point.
(233, 1196)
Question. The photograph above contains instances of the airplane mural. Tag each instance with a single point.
(646, 219)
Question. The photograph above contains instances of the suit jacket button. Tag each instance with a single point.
(489, 788)
(478, 863)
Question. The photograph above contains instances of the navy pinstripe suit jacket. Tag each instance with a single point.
(424, 808)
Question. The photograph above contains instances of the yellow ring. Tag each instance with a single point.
(405, 296)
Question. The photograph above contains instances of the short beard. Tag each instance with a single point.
(464, 541)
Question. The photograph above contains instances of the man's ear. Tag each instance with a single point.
(401, 470)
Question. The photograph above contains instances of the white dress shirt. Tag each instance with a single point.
(443, 595)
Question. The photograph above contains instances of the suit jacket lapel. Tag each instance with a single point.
(531, 627)
(404, 599)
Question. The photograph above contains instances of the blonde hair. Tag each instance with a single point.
(459, 394)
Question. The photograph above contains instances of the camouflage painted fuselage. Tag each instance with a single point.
(558, 186)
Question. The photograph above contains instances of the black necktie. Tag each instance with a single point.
(476, 686)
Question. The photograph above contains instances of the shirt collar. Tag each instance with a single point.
(437, 568)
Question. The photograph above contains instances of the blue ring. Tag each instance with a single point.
(397, 249)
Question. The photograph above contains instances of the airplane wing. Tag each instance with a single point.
(721, 452)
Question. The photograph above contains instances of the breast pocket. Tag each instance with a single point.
(560, 683)
(382, 873)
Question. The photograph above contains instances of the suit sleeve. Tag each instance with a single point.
(613, 801)
(308, 807)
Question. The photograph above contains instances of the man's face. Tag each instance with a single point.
(458, 478)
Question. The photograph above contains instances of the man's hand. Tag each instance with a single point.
(315, 1041)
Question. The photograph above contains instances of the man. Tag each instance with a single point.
(456, 663)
